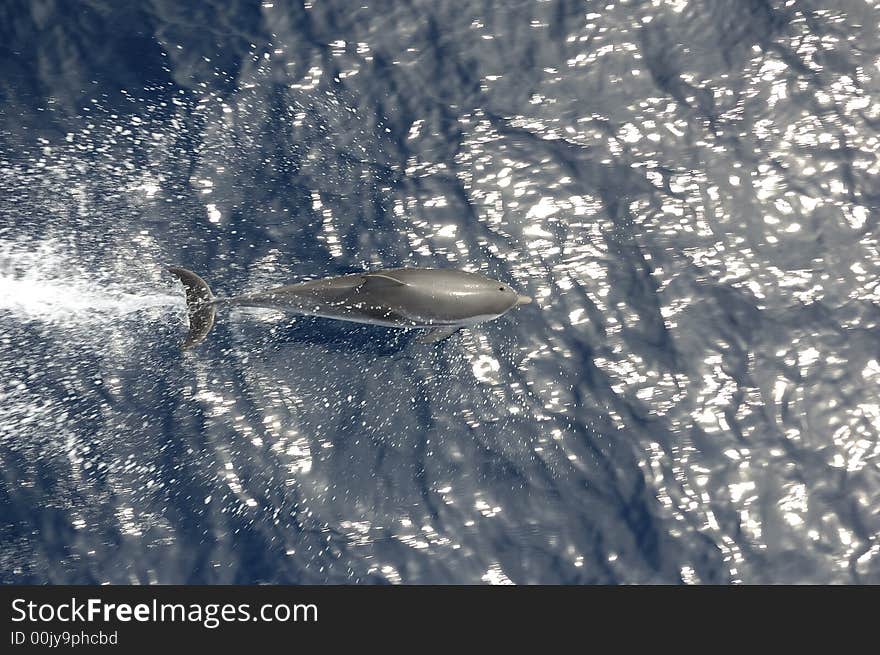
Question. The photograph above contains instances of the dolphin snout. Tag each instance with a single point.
(523, 300)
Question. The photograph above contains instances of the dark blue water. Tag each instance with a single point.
(690, 190)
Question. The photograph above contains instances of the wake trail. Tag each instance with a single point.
(34, 288)
(51, 301)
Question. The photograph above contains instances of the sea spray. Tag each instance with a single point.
(39, 284)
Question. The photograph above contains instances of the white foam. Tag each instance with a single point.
(43, 293)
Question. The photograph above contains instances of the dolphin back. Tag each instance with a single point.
(200, 306)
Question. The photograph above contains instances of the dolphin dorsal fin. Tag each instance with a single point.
(377, 279)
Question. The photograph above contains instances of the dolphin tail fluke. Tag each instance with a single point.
(199, 304)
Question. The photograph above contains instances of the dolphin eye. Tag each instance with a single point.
(501, 288)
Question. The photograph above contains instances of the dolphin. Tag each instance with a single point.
(439, 301)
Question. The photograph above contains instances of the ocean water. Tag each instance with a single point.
(689, 189)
